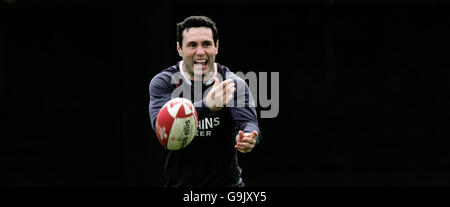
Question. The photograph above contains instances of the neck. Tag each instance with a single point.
(194, 77)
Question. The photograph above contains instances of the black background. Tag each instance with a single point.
(363, 90)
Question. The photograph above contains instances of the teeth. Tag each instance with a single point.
(200, 61)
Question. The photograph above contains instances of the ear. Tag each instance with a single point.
(217, 47)
(180, 51)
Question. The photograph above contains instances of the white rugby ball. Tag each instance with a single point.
(176, 124)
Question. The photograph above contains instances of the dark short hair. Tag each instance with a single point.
(196, 21)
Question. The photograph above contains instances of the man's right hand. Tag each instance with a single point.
(220, 94)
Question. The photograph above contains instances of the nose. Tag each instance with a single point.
(200, 51)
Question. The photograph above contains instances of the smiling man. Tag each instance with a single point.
(198, 50)
(223, 128)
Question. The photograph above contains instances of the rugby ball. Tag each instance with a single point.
(176, 124)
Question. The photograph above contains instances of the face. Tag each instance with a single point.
(198, 50)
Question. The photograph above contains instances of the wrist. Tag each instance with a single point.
(209, 105)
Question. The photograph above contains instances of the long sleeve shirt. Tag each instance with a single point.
(210, 159)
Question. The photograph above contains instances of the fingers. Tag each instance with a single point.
(249, 140)
(245, 142)
(220, 94)
(242, 150)
(229, 89)
(225, 87)
(228, 98)
(246, 137)
(229, 86)
(223, 93)
(251, 135)
(222, 84)
(239, 136)
(227, 82)
(229, 93)
(244, 147)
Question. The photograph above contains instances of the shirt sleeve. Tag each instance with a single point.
(160, 93)
(243, 109)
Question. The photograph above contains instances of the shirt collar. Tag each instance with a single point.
(186, 78)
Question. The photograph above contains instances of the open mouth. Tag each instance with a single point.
(201, 61)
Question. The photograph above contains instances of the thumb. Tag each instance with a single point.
(216, 81)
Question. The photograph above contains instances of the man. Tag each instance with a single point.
(226, 114)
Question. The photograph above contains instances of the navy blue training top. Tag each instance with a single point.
(210, 159)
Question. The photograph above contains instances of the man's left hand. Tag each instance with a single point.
(245, 142)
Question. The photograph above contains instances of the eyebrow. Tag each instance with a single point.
(193, 42)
